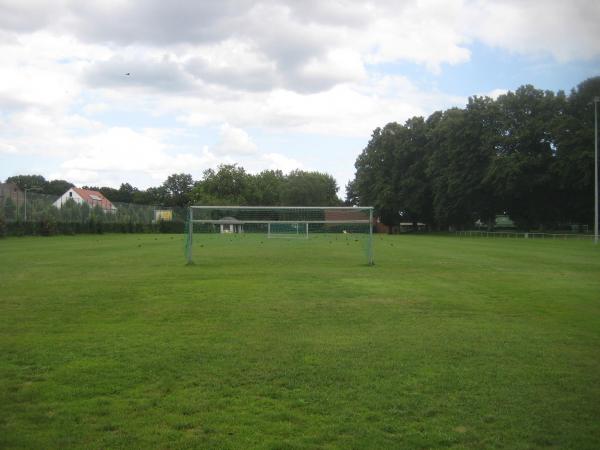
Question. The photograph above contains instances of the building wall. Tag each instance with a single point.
(65, 197)
(12, 191)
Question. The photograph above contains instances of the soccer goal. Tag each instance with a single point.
(287, 230)
(350, 225)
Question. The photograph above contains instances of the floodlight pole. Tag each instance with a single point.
(35, 188)
(596, 100)
(371, 237)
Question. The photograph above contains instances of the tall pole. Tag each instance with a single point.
(190, 259)
(596, 100)
(35, 188)
(371, 262)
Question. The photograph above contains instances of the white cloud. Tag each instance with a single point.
(234, 141)
(7, 148)
(121, 152)
(278, 161)
(345, 110)
(236, 146)
(95, 108)
(565, 30)
(495, 93)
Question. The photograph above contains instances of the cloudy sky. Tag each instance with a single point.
(103, 92)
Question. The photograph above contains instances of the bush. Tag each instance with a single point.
(48, 227)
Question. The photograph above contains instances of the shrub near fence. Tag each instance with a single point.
(515, 235)
(48, 228)
(39, 217)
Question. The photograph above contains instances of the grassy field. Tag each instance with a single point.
(112, 342)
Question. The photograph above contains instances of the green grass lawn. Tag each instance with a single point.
(113, 342)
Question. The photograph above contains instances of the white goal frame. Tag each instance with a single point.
(274, 235)
(367, 210)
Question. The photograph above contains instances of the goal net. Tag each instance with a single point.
(342, 225)
(287, 230)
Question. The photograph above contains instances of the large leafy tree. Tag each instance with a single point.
(125, 193)
(461, 143)
(228, 185)
(374, 181)
(521, 173)
(574, 163)
(266, 188)
(57, 187)
(409, 172)
(390, 173)
(178, 189)
(529, 153)
(304, 188)
(40, 185)
(28, 181)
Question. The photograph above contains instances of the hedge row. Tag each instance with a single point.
(50, 228)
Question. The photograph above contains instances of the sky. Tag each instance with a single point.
(110, 91)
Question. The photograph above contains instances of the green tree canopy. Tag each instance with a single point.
(302, 188)
(529, 154)
(177, 189)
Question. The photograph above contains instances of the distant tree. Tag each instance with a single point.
(57, 187)
(410, 182)
(229, 185)
(461, 143)
(110, 193)
(574, 161)
(352, 195)
(177, 189)
(521, 172)
(151, 196)
(27, 181)
(379, 173)
(529, 153)
(265, 188)
(302, 188)
(126, 193)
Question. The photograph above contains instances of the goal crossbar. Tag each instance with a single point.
(346, 208)
(287, 222)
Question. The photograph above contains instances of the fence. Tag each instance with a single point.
(516, 235)
(33, 213)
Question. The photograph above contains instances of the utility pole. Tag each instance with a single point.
(35, 188)
(596, 100)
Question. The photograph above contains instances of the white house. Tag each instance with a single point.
(80, 196)
(231, 225)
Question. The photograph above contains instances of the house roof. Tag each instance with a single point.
(94, 198)
(346, 214)
(410, 224)
(229, 220)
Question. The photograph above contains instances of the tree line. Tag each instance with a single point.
(229, 184)
(528, 154)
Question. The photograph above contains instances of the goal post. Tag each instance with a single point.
(291, 222)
